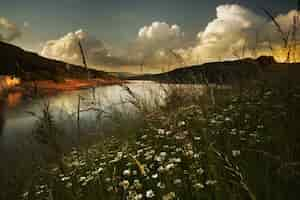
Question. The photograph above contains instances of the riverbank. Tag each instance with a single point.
(49, 87)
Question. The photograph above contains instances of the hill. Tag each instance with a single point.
(31, 66)
(229, 72)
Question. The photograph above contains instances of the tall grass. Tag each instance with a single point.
(288, 37)
(243, 147)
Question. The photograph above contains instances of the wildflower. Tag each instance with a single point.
(227, 119)
(149, 157)
(82, 178)
(177, 181)
(236, 153)
(55, 169)
(179, 137)
(177, 160)
(182, 123)
(260, 126)
(99, 170)
(113, 161)
(161, 185)
(65, 178)
(189, 153)
(140, 151)
(170, 166)
(137, 184)
(159, 158)
(169, 196)
(161, 131)
(125, 184)
(151, 166)
(168, 133)
(138, 197)
(25, 194)
(210, 182)
(163, 154)
(253, 135)
(82, 163)
(196, 155)
(128, 164)
(233, 131)
(213, 121)
(161, 169)
(126, 172)
(197, 138)
(134, 172)
(198, 186)
(110, 189)
(154, 176)
(69, 184)
(120, 155)
(150, 152)
(88, 179)
(75, 163)
(150, 194)
(200, 171)
(144, 137)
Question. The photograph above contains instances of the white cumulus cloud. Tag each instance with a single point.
(160, 32)
(233, 28)
(237, 31)
(67, 49)
(8, 30)
(155, 41)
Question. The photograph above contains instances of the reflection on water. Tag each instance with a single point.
(19, 124)
(9, 101)
(2, 113)
(13, 99)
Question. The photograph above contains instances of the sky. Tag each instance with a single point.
(115, 25)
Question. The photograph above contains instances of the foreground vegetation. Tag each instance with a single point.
(225, 145)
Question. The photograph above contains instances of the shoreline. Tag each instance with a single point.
(49, 87)
(43, 88)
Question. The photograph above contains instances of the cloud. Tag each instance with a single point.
(154, 42)
(286, 22)
(8, 30)
(237, 32)
(160, 32)
(152, 45)
(234, 28)
(67, 49)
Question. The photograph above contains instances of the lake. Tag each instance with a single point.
(19, 151)
(18, 121)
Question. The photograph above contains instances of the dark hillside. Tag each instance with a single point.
(229, 72)
(28, 65)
